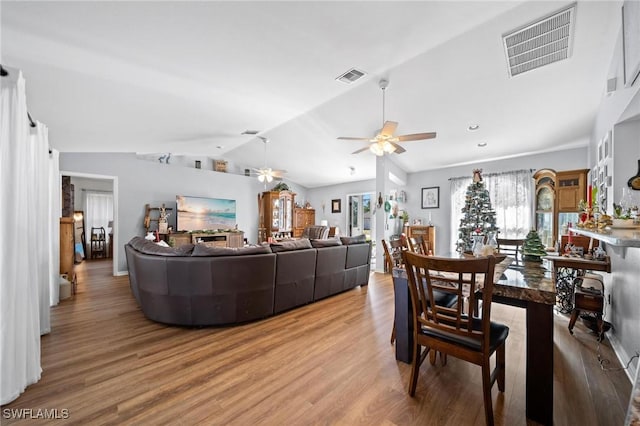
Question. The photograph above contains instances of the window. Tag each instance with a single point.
(511, 195)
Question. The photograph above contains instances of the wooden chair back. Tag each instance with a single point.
(447, 329)
(418, 245)
(578, 240)
(511, 246)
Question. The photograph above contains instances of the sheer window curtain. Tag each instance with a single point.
(511, 195)
(99, 211)
(27, 226)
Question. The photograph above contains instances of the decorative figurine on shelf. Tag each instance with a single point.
(163, 225)
(150, 236)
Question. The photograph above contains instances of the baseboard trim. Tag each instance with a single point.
(122, 273)
(623, 357)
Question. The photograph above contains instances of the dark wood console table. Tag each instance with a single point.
(530, 287)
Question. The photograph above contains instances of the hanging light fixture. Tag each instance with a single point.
(267, 174)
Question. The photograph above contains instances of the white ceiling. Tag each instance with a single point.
(186, 77)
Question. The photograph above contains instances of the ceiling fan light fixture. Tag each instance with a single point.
(388, 147)
(377, 149)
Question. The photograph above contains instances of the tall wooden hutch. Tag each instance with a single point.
(556, 204)
(275, 214)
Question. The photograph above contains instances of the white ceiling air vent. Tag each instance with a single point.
(351, 76)
(540, 43)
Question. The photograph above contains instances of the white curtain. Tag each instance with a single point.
(511, 194)
(98, 212)
(55, 208)
(27, 226)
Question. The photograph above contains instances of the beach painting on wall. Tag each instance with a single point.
(199, 213)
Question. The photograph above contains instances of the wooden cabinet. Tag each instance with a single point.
(67, 249)
(556, 204)
(301, 219)
(428, 234)
(571, 187)
(275, 214)
(219, 239)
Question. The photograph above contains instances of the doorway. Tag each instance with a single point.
(361, 218)
(90, 215)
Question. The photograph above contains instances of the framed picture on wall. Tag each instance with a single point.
(431, 197)
(336, 206)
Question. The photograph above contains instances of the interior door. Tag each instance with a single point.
(360, 214)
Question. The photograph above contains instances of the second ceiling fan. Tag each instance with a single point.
(385, 141)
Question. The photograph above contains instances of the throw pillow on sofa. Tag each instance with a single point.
(301, 244)
(149, 247)
(329, 242)
(358, 239)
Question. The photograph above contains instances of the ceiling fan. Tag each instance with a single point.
(384, 141)
(267, 174)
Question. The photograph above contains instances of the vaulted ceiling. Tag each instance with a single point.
(190, 77)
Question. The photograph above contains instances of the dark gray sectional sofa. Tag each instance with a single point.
(198, 285)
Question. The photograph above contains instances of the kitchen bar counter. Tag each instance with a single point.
(621, 237)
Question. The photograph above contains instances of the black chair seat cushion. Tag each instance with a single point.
(444, 299)
(498, 334)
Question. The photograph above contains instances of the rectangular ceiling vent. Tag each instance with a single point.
(351, 76)
(542, 43)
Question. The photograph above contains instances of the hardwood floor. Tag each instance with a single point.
(326, 363)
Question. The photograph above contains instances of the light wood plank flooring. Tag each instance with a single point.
(326, 363)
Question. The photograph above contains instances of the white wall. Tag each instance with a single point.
(620, 112)
(562, 160)
(144, 182)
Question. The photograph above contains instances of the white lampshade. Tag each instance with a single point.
(376, 149)
(388, 147)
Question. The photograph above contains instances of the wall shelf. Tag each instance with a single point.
(619, 239)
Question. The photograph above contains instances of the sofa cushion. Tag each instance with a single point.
(329, 242)
(203, 250)
(358, 239)
(301, 244)
(149, 247)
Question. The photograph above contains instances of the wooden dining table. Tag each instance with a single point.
(530, 286)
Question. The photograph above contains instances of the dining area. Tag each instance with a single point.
(448, 328)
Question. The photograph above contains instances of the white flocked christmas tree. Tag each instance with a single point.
(478, 216)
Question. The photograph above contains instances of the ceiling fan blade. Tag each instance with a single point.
(388, 129)
(414, 137)
(399, 149)
(360, 150)
(278, 173)
(346, 138)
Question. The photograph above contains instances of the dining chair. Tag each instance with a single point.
(391, 259)
(511, 246)
(416, 244)
(473, 337)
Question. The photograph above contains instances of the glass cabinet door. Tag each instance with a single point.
(545, 214)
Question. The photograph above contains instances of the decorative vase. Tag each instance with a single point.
(476, 248)
(491, 241)
(163, 227)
